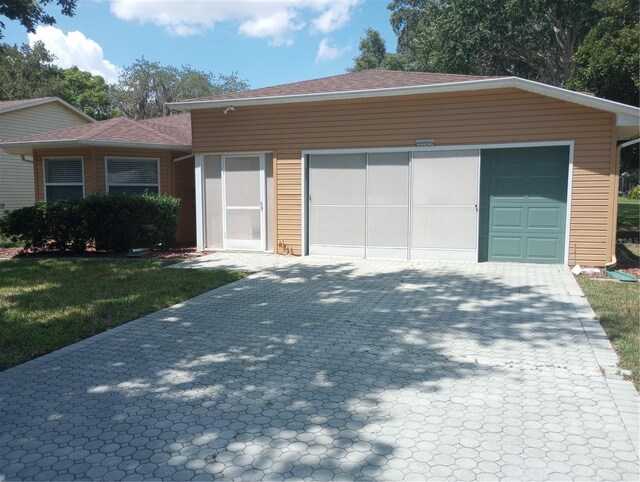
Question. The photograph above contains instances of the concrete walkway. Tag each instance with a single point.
(323, 369)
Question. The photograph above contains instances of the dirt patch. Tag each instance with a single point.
(6, 253)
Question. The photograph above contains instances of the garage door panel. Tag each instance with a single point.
(547, 218)
(445, 177)
(337, 225)
(444, 227)
(507, 217)
(523, 218)
(543, 249)
(337, 180)
(388, 179)
(543, 188)
(387, 226)
(506, 247)
(508, 187)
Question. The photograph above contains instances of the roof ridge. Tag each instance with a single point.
(155, 131)
(106, 126)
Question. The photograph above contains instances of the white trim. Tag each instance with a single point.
(134, 158)
(244, 245)
(223, 191)
(26, 147)
(44, 175)
(470, 85)
(567, 230)
(305, 203)
(445, 254)
(337, 250)
(461, 147)
(200, 193)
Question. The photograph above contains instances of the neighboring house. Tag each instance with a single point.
(116, 156)
(410, 165)
(20, 118)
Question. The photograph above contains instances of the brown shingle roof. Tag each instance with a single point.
(169, 131)
(355, 81)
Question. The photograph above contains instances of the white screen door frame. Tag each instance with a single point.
(247, 244)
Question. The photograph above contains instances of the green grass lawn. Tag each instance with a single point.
(618, 307)
(628, 214)
(47, 304)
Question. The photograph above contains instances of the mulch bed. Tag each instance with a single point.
(625, 265)
(175, 253)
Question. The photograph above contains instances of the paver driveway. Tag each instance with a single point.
(323, 369)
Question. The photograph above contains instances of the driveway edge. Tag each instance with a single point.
(623, 391)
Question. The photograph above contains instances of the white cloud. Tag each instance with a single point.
(274, 20)
(335, 16)
(328, 52)
(277, 28)
(74, 48)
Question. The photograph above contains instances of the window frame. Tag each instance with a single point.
(136, 158)
(44, 175)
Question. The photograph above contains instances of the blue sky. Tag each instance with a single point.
(267, 41)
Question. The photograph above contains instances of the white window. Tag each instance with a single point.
(63, 178)
(132, 175)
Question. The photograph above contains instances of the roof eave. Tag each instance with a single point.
(25, 148)
(471, 85)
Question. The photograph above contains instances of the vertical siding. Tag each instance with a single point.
(16, 175)
(483, 117)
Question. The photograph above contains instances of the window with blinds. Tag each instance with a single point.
(63, 178)
(132, 175)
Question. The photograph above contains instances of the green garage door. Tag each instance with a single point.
(523, 204)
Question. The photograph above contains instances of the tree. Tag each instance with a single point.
(31, 12)
(534, 39)
(608, 59)
(145, 87)
(27, 72)
(87, 92)
(374, 55)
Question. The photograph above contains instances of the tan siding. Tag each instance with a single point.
(176, 178)
(484, 117)
(17, 176)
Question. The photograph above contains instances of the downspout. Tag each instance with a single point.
(614, 260)
(183, 157)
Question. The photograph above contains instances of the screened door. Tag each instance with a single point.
(387, 205)
(337, 189)
(243, 196)
(444, 205)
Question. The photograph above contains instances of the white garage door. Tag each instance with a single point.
(394, 205)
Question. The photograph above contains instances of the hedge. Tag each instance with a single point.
(112, 223)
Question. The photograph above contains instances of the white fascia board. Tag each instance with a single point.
(472, 85)
(27, 147)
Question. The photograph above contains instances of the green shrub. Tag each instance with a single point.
(113, 223)
(634, 193)
(54, 225)
(123, 221)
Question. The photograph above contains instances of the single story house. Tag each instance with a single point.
(116, 155)
(410, 165)
(26, 117)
